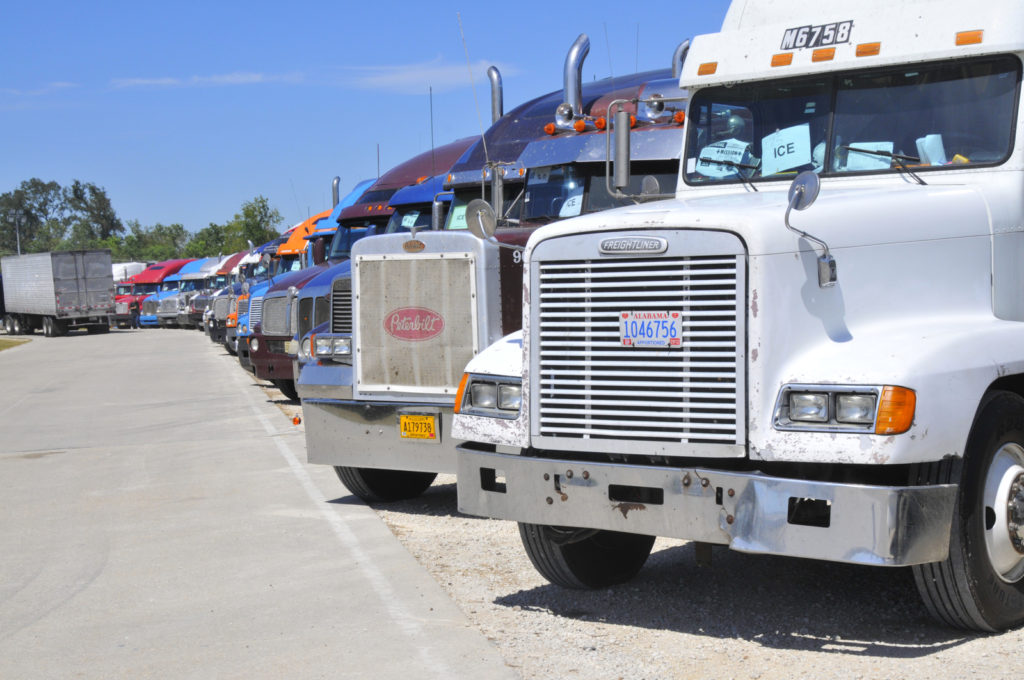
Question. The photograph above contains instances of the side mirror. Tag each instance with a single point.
(480, 219)
(319, 251)
(265, 260)
(802, 193)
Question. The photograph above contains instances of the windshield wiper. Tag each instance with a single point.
(733, 164)
(900, 158)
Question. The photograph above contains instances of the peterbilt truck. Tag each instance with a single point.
(381, 395)
(57, 291)
(816, 349)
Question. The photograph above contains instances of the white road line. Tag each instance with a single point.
(402, 617)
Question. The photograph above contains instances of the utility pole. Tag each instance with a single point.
(17, 218)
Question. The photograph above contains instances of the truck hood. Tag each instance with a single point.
(297, 279)
(321, 284)
(845, 215)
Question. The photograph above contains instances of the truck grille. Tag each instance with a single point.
(275, 316)
(121, 308)
(149, 307)
(168, 305)
(341, 306)
(416, 325)
(220, 308)
(200, 302)
(255, 311)
(305, 315)
(243, 307)
(588, 386)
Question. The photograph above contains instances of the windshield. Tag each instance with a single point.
(562, 191)
(286, 264)
(407, 216)
(124, 289)
(456, 217)
(146, 288)
(347, 234)
(190, 285)
(930, 116)
(169, 285)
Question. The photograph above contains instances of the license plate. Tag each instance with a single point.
(650, 329)
(418, 426)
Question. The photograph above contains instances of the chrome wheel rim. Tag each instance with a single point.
(1004, 512)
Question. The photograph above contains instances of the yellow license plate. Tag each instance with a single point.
(418, 427)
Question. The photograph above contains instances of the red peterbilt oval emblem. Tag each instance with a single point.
(414, 324)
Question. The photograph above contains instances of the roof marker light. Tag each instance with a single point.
(549, 129)
(824, 54)
(782, 59)
(869, 49)
(679, 117)
(707, 69)
(601, 123)
(969, 38)
(579, 125)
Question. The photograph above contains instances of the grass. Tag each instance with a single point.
(7, 344)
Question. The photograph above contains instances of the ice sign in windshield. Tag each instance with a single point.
(931, 117)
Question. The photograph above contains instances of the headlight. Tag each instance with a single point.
(330, 347)
(304, 347)
(254, 344)
(489, 396)
(845, 408)
(245, 329)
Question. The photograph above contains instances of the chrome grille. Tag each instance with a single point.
(589, 387)
(341, 306)
(275, 316)
(255, 310)
(243, 306)
(120, 307)
(220, 308)
(200, 302)
(149, 307)
(168, 304)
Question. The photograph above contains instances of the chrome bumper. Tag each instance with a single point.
(749, 512)
(366, 434)
(327, 380)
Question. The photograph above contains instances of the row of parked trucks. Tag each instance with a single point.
(616, 314)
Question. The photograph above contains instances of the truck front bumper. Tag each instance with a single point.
(269, 362)
(748, 511)
(366, 434)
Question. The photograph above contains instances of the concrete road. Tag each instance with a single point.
(160, 521)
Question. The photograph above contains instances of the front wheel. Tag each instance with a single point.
(287, 387)
(980, 585)
(374, 485)
(584, 559)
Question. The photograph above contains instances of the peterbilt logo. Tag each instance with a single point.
(630, 245)
(414, 246)
(414, 324)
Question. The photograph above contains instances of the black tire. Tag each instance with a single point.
(980, 586)
(287, 387)
(8, 325)
(582, 559)
(47, 327)
(230, 347)
(383, 486)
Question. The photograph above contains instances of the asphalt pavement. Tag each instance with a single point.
(160, 521)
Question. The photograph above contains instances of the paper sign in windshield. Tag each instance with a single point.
(868, 161)
(409, 219)
(725, 152)
(573, 204)
(786, 149)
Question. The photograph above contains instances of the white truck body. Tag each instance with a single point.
(706, 439)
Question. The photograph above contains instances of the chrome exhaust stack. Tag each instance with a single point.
(572, 87)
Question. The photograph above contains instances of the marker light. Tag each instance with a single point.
(601, 123)
(679, 117)
(579, 125)
(824, 54)
(869, 49)
(461, 391)
(632, 121)
(783, 59)
(707, 69)
(895, 410)
(969, 37)
(549, 129)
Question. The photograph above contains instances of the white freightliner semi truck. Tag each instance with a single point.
(745, 366)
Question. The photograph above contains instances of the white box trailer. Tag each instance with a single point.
(57, 291)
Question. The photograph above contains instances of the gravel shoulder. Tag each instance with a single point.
(744, 617)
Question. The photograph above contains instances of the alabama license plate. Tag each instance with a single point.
(650, 329)
(415, 426)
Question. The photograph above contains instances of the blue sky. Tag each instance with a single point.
(184, 110)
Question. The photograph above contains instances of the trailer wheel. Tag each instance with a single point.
(584, 559)
(980, 585)
(375, 486)
(287, 387)
(47, 327)
(17, 328)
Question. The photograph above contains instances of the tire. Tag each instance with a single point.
(287, 387)
(17, 327)
(581, 559)
(47, 327)
(376, 486)
(980, 585)
(230, 347)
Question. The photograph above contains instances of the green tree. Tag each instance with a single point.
(90, 216)
(44, 209)
(208, 242)
(257, 222)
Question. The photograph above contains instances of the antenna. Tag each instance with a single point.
(433, 165)
(480, 122)
(378, 160)
(608, 46)
(636, 63)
